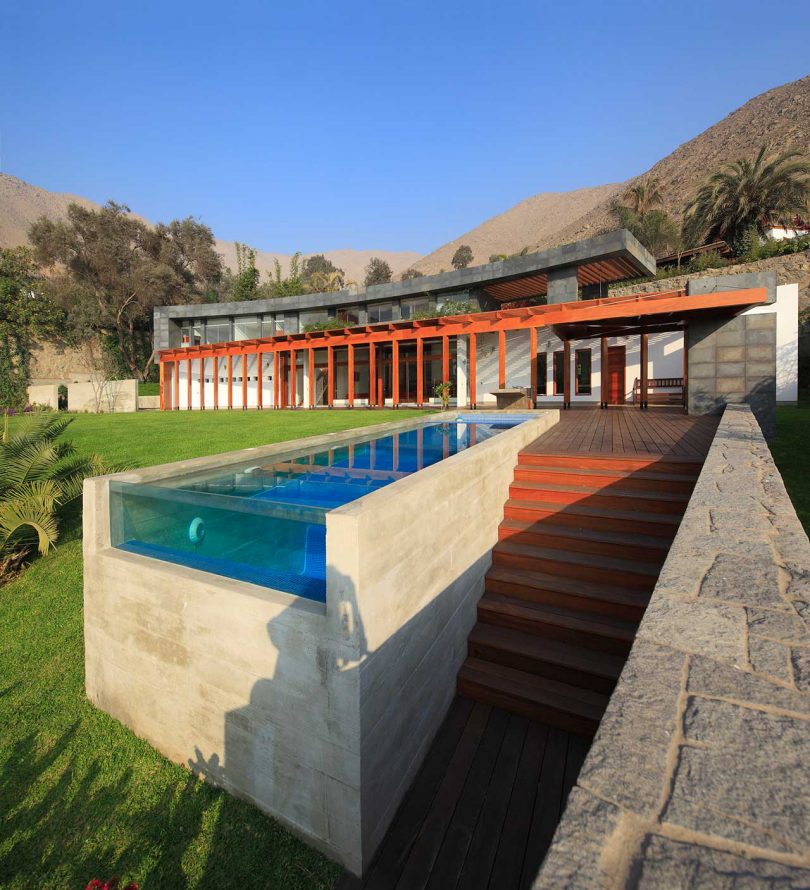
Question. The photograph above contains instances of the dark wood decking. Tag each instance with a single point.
(627, 430)
(483, 808)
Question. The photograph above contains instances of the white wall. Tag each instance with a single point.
(787, 340)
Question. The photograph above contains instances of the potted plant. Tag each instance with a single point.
(442, 391)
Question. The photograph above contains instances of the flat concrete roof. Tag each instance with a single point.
(610, 257)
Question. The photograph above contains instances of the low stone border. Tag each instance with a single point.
(700, 772)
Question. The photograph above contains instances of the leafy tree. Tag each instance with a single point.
(462, 257)
(410, 274)
(377, 272)
(319, 264)
(655, 229)
(324, 282)
(24, 315)
(290, 286)
(748, 194)
(109, 270)
(245, 284)
(644, 195)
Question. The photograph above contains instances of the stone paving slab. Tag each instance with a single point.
(699, 775)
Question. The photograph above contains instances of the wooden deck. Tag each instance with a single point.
(483, 808)
(629, 431)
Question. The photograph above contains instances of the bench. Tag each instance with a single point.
(660, 390)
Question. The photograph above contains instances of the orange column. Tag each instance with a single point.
(330, 376)
(188, 383)
(533, 364)
(292, 378)
(605, 377)
(501, 359)
(350, 372)
(566, 374)
(161, 366)
(176, 382)
(311, 372)
(259, 398)
(244, 381)
(230, 381)
(276, 376)
(473, 343)
(395, 373)
(445, 359)
(202, 382)
(215, 366)
(645, 356)
(420, 372)
(372, 375)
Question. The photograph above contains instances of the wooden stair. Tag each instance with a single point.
(579, 552)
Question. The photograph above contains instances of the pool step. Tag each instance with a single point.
(578, 555)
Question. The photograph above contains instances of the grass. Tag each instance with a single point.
(80, 795)
(792, 437)
(148, 389)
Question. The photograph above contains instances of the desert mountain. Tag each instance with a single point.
(22, 203)
(780, 117)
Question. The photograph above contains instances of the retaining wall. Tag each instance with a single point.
(700, 772)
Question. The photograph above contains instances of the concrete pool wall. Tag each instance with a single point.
(317, 713)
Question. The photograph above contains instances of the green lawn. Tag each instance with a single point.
(80, 795)
(792, 437)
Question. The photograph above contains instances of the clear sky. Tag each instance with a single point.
(325, 124)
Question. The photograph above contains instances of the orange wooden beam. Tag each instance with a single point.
(276, 377)
(188, 383)
(472, 364)
(230, 381)
(420, 371)
(259, 394)
(372, 376)
(395, 375)
(566, 373)
(350, 372)
(605, 378)
(162, 380)
(330, 375)
(445, 359)
(293, 376)
(644, 354)
(176, 384)
(311, 374)
(244, 382)
(533, 363)
(501, 359)
(202, 382)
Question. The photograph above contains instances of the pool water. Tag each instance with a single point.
(264, 520)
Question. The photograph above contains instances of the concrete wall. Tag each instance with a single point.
(287, 702)
(44, 394)
(103, 396)
(148, 403)
(699, 775)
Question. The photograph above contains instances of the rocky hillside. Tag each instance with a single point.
(21, 203)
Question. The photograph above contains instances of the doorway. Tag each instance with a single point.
(616, 381)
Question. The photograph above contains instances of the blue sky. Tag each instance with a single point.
(384, 125)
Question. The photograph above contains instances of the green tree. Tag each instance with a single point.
(410, 274)
(462, 257)
(748, 194)
(245, 284)
(109, 270)
(324, 282)
(641, 213)
(290, 286)
(644, 195)
(377, 272)
(25, 315)
(319, 265)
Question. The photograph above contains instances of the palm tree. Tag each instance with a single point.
(746, 195)
(324, 282)
(39, 477)
(644, 195)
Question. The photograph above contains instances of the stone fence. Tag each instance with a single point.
(700, 772)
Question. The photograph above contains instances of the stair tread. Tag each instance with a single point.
(546, 527)
(567, 655)
(620, 629)
(606, 471)
(585, 559)
(590, 510)
(601, 490)
(646, 461)
(608, 593)
(538, 690)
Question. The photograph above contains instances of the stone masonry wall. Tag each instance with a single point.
(700, 773)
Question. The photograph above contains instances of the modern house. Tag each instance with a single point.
(542, 323)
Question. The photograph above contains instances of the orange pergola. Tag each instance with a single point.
(582, 319)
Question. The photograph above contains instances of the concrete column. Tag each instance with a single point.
(562, 285)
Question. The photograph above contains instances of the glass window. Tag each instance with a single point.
(246, 327)
(268, 326)
(542, 372)
(312, 317)
(582, 364)
(559, 378)
(380, 312)
(217, 330)
(349, 314)
(419, 306)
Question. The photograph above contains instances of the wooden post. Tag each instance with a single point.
(311, 357)
(188, 384)
(533, 364)
(161, 367)
(230, 381)
(293, 377)
(176, 383)
(395, 373)
(644, 359)
(244, 382)
(420, 372)
(372, 376)
(472, 365)
(445, 358)
(685, 368)
(330, 376)
(603, 363)
(501, 359)
(566, 374)
(350, 373)
(276, 378)
(215, 363)
(259, 396)
(202, 382)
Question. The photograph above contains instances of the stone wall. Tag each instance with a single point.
(700, 772)
(103, 396)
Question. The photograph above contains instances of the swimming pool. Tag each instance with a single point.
(265, 521)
